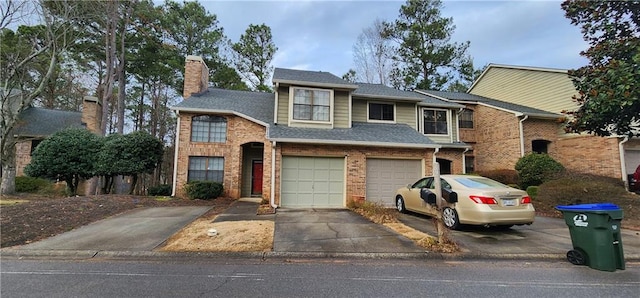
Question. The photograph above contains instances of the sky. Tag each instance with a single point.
(319, 35)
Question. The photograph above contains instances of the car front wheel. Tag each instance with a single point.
(400, 205)
(450, 218)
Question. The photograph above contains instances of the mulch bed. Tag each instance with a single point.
(43, 217)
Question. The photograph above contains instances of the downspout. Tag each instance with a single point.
(275, 110)
(273, 175)
(458, 124)
(175, 156)
(522, 135)
(464, 161)
(623, 166)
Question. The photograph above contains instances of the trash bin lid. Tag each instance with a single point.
(589, 207)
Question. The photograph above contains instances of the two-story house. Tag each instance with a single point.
(317, 141)
(551, 90)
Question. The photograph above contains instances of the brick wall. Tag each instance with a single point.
(196, 76)
(590, 154)
(239, 132)
(23, 156)
(497, 139)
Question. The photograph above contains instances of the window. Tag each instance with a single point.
(209, 129)
(206, 169)
(311, 104)
(381, 111)
(540, 146)
(435, 122)
(34, 144)
(466, 119)
(469, 164)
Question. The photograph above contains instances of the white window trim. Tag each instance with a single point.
(395, 112)
(291, 100)
(449, 126)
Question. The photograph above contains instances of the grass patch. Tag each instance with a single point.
(163, 199)
(8, 202)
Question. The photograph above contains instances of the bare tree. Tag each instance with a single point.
(47, 41)
(372, 55)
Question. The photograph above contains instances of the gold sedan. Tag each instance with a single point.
(470, 200)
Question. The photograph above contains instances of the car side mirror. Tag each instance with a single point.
(428, 196)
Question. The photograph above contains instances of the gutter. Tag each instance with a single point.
(623, 166)
(521, 127)
(464, 161)
(273, 176)
(175, 157)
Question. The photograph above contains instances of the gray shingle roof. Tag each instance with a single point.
(40, 122)
(361, 133)
(257, 105)
(310, 78)
(472, 98)
(386, 92)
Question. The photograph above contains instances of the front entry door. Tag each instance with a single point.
(256, 177)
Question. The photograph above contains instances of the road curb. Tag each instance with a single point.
(92, 254)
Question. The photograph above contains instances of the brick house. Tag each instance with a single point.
(317, 141)
(35, 124)
(550, 90)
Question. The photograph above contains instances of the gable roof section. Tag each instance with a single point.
(41, 122)
(361, 133)
(462, 97)
(254, 106)
(310, 78)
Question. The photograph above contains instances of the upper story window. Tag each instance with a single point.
(207, 128)
(381, 112)
(435, 122)
(466, 119)
(311, 104)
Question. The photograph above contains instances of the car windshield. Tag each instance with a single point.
(479, 182)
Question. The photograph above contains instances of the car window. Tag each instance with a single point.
(479, 182)
(445, 184)
(424, 182)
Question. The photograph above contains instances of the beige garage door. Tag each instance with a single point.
(385, 176)
(312, 182)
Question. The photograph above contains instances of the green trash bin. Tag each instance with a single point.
(595, 235)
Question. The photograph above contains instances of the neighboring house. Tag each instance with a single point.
(35, 124)
(318, 141)
(551, 90)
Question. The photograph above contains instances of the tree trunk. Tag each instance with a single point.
(134, 180)
(8, 168)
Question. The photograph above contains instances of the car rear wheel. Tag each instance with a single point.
(450, 218)
(400, 205)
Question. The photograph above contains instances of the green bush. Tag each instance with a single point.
(203, 190)
(504, 176)
(580, 189)
(535, 169)
(32, 184)
(532, 191)
(160, 190)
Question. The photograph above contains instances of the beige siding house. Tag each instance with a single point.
(551, 90)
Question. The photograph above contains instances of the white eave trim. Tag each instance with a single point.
(347, 143)
(227, 112)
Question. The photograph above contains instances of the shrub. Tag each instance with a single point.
(579, 189)
(203, 190)
(535, 169)
(32, 184)
(504, 176)
(160, 190)
(532, 191)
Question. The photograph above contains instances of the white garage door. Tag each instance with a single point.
(385, 176)
(632, 160)
(312, 182)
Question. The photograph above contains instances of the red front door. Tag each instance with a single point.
(256, 180)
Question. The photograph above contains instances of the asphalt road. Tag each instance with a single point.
(312, 278)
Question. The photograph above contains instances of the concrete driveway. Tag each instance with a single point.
(544, 236)
(136, 230)
(335, 231)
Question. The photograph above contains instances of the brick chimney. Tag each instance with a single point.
(92, 114)
(196, 76)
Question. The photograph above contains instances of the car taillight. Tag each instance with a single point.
(525, 200)
(483, 200)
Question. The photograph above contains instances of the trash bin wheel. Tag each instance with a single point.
(576, 257)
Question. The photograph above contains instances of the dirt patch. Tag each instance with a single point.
(230, 236)
(41, 217)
